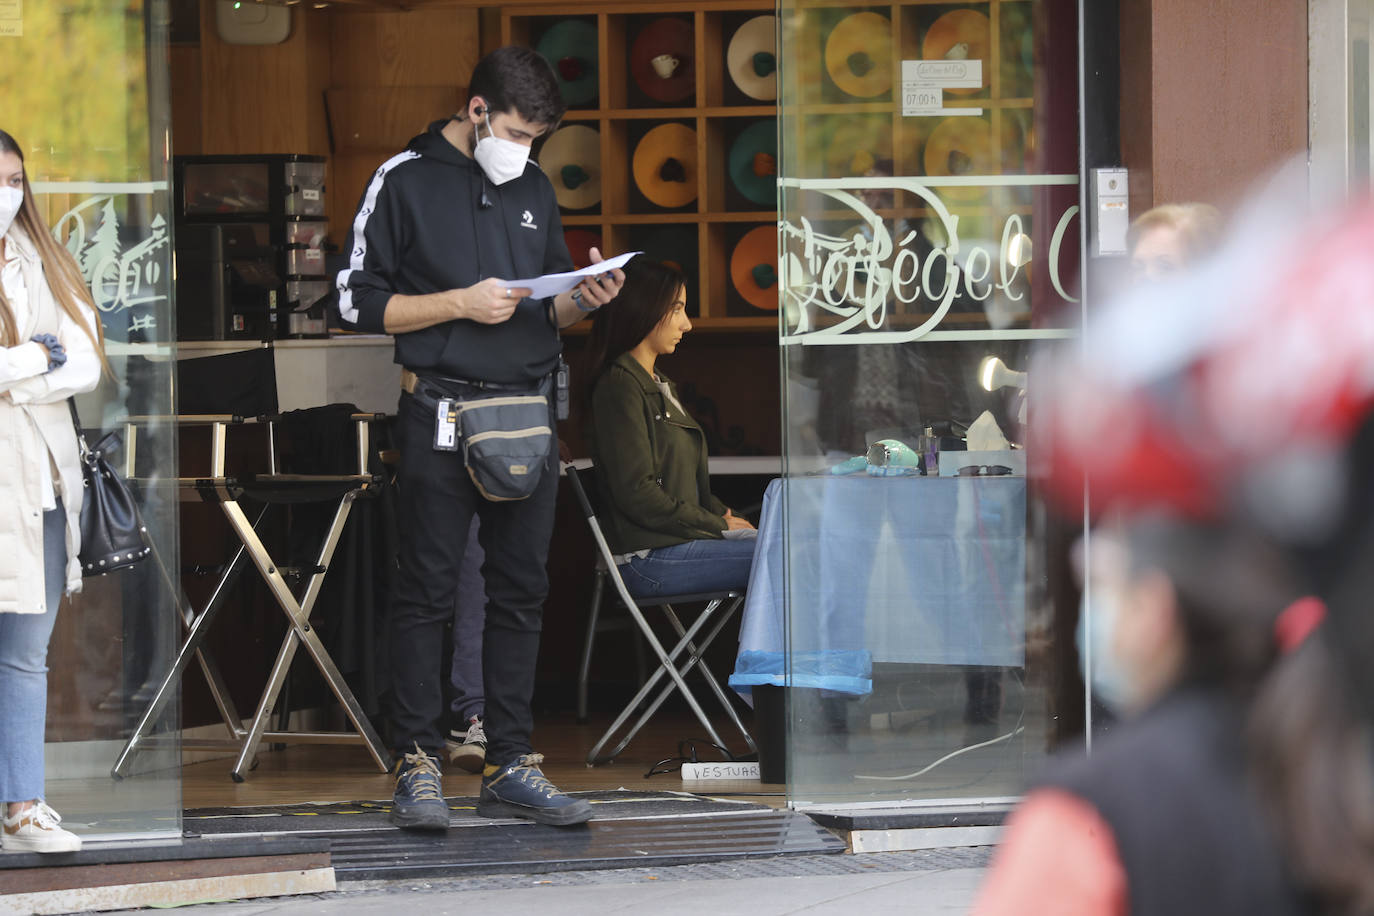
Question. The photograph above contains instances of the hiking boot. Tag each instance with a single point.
(418, 802)
(35, 829)
(520, 789)
(468, 749)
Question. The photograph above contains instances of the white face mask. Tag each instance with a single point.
(1109, 680)
(11, 199)
(502, 160)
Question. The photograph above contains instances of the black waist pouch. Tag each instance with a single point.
(504, 431)
(506, 442)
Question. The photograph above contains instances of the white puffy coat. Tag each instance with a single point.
(35, 429)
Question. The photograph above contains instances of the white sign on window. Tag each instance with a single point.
(924, 83)
(11, 18)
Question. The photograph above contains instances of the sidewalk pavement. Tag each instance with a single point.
(923, 882)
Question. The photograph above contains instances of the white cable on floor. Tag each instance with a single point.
(950, 756)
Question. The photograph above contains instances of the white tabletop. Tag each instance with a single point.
(725, 465)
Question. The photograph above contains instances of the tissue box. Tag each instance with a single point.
(1014, 458)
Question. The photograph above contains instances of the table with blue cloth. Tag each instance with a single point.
(923, 570)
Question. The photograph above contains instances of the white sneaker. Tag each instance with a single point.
(35, 829)
(468, 749)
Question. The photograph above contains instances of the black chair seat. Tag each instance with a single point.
(695, 598)
(301, 488)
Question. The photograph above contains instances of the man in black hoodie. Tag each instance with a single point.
(441, 229)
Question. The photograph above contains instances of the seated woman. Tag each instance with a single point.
(671, 536)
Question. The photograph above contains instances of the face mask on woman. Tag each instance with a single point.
(501, 159)
(11, 199)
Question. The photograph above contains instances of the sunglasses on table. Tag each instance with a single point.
(984, 470)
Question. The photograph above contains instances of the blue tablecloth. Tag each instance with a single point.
(922, 570)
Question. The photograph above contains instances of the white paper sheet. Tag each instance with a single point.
(553, 284)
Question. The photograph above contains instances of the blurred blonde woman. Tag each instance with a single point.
(1167, 238)
(51, 347)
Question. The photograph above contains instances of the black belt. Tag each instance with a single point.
(442, 385)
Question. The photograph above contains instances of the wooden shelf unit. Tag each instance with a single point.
(711, 111)
(825, 131)
(808, 93)
(818, 120)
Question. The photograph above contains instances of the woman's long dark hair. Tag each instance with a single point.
(647, 296)
(64, 278)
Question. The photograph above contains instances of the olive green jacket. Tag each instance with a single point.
(650, 464)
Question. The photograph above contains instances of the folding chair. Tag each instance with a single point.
(596, 623)
(271, 489)
(719, 608)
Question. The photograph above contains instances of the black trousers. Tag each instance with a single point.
(437, 501)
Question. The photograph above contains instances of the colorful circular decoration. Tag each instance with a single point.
(580, 242)
(754, 267)
(665, 165)
(959, 35)
(571, 157)
(569, 46)
(858, 54)
(753, 162)
(662, 60)
(752, 58)
(960, 146)
(850, 144)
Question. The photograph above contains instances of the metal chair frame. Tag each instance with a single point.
(597, 624)
(719, 608)
(226, 491)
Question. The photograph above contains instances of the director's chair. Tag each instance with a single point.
(719, 608)
(271, 488)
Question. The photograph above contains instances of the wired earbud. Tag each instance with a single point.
(484, 201)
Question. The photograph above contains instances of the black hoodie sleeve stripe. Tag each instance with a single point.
(363, 286)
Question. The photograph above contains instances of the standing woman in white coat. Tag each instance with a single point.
(51, 347)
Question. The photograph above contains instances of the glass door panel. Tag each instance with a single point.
(929, 244)
(86, 99)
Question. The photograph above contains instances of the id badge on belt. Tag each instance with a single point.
(446, 426)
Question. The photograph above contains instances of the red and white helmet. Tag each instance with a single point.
(1234, 390)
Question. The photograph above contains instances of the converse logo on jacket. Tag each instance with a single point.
(527, 220)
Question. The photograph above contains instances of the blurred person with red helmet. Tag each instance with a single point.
(1223, 414)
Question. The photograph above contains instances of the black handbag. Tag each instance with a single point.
(113, 535)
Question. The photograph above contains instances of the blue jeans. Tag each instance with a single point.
(24, 673)
(704, 565)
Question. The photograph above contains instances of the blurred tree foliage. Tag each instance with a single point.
(76, 90)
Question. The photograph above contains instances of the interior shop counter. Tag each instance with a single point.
(925, 570)
(356, 369)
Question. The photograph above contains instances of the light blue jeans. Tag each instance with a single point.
(24, 673)
(702, 565)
